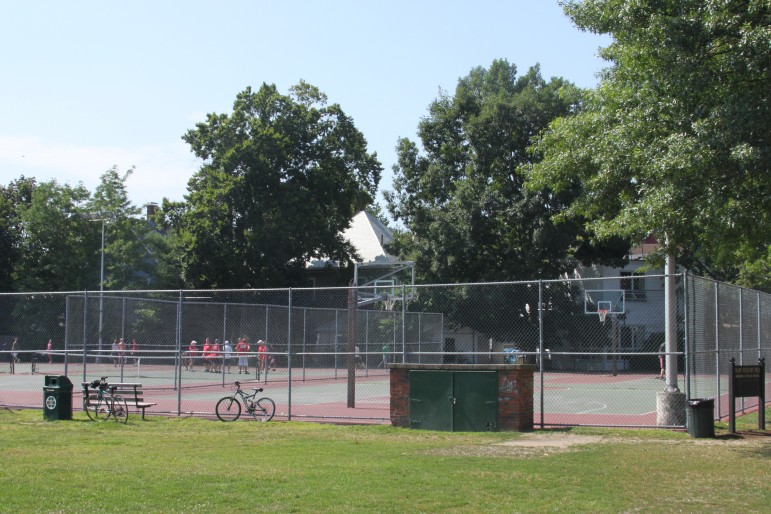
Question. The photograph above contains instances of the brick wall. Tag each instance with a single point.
(515, 392)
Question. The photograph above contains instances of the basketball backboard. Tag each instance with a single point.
(611, 301)
(384, 280)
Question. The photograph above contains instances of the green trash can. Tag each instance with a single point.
(57, 398)
(700, 417)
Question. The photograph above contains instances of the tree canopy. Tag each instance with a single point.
(283, 175)
(462, 200)
(675, 139)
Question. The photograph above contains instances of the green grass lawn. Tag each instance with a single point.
(194, 465)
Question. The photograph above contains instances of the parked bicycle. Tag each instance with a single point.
(229, 407)
(105, 403)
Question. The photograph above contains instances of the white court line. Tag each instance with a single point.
(604, 406)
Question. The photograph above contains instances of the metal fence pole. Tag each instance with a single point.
(336, 338)
(224, 322)
(686, 334)
(540, 346)
(741, 326)
(404, 327)
(66, 333)
(224, 338)
(85, 331)
(741, 335)
(760, 321)
(717, 346)
(178, 369)
(123, 337)
(366, 343)
(420, 338)
(289, 358)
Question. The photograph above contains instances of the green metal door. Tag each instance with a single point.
(476, 401)
(431, 400)
(464, 401)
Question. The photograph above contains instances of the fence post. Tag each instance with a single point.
(686, 334)
(404, 327)
(350, 357)
(540, 345)
(741, 326)
(66, 333)
(741, 334)
(717, 345)
(305, 338)
(760, 321)
(178, 368)
(224, 338)
(289, 357)
(85, 331)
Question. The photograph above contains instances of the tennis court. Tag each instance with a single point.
(321, 394)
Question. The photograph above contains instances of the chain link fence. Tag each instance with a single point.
(322, 354)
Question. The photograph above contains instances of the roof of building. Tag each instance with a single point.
(368, 235)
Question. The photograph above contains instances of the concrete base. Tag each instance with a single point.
(670, 408)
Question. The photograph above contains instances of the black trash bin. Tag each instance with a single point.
(700, 417)
(57, 398)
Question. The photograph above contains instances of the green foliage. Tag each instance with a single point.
(16, 195)
(54, 241)
(128, 261)
(283, 176)
(468, 216)
(675, 140)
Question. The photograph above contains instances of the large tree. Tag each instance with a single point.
(55, 242)
(675, 140)
(468, 216)
(135, 252)
(282, 177)
(13, 197)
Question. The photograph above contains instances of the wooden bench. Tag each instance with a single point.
(131, 392)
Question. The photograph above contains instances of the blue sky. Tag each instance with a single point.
(89, 85)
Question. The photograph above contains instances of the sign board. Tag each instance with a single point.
(747, 381)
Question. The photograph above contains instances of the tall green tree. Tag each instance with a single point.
(282, 177)
(131, 248)
(55, 242)
(468, 216)
(675, 140)
(13, 197)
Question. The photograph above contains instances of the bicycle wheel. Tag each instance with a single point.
(228, 409)
(120, 409)
(264, 408)
(88, 408)
(100, 411)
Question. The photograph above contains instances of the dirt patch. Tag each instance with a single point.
(537, 440)
(531, 444)
(535, 444)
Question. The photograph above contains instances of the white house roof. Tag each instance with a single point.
(368, 236)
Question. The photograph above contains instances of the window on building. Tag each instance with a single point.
(633, 286)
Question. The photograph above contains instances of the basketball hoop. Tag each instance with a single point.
(603, 313)
(388, 305)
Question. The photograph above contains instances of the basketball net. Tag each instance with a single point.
(388, 305)
(603, 313)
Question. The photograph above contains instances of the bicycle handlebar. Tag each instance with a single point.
(238, 385)
(102, 382)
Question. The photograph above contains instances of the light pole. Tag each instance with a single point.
(100, 216)
(101, 296)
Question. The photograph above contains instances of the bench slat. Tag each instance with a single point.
(131, 392)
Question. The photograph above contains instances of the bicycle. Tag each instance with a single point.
(229, 407)
(106, 403)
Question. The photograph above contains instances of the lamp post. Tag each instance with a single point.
(101, 295)
(100, 216)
